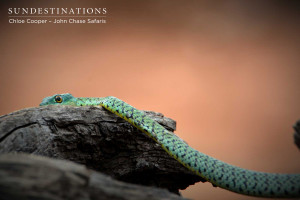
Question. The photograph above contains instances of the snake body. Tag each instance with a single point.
(215, 171)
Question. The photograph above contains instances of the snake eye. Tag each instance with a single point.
(58, 99)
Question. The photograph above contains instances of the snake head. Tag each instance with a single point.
(59, 99)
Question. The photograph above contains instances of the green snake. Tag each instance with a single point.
(215, 171)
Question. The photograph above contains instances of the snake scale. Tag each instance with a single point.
(215, 171)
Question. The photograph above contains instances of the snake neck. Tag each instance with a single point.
(82, 101)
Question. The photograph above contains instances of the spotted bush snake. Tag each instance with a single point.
(219, 173)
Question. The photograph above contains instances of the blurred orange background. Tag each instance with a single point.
(226, 71)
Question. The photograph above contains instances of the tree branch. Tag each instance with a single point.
(97, 139)
(24, 176)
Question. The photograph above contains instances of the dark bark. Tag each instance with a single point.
(97, 139)
(35, 177)
(297, 134)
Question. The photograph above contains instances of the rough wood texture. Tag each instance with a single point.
(97, 139)
(35, 177)
(297, 134)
